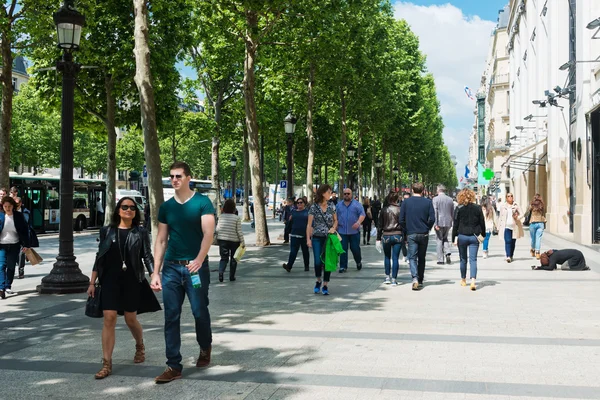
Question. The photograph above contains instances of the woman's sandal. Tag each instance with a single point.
(105, 371)
(140, 355)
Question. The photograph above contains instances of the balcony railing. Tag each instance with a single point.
(497, 145)
(501, 79)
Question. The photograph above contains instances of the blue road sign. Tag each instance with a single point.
(283, 184)
(145, 172)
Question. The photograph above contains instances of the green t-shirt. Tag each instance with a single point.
(184, 222)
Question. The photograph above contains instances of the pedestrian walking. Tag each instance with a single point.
(334, 198)
(537, 224)
(509, 225)
(287, 213)
(444, 212)
(489, 214)
(350, 216)
(368, 221)
(14, 193)
(322, 220)
(187, 221)
(123, 252)
(375, 208)
(27, 215)
(229, 237)
(389, 237)
(298, 223)
(417, 218)
(14, 238)
(467, 232)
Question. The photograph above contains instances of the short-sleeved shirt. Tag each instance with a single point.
(322, 221)
(184, 223)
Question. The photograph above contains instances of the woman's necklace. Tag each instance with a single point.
(121, 251)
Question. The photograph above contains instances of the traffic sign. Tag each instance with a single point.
(283, 184)
(145, 172)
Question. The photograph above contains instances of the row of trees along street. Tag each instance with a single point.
(351, 73)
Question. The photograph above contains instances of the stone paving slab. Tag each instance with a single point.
(523, 335)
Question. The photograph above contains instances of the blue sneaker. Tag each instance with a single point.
(325, 291)
(318, 287)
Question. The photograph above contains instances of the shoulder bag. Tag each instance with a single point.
(93, 306)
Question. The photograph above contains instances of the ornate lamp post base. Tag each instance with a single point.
(65, 277)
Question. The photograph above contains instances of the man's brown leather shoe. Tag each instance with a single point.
(169, 375)
(204, 358)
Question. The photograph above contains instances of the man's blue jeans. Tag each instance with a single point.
(468, 244)
(509, 243)
(391, 251)
(176, 283)
(9, 256)
(417, 251)
(486, 241)
(536, 230)
(354, 241)
(318, 245)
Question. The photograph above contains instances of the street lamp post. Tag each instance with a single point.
(316, 177)
(351, 152)
(378, 164)
(290, 127)
(66, 277)
(233, 163)
(395, 172)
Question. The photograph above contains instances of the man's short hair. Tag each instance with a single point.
(418, 187)
(181, 165)
(441, 188)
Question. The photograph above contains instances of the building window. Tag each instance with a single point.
(544, 9)
(519, 71)
(14, 83)
(533, 35)
(508, 102)
(121, 175)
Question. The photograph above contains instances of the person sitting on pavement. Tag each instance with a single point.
(350, 216)
(417, 218)
(570, 260)
(389, 237)
(322, 220)
(123, 251)
(298, 223)
(14, 238)
(229, 237)
(469, 226)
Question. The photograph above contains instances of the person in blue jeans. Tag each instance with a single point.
(298, 223)
(14, 238)
(537, 224)
(389, 237)
(350, 216)
(185, 233)
(510, 225)
(469, 226)
(417, 217)
(490, 223)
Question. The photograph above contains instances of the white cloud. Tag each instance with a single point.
(456, 47)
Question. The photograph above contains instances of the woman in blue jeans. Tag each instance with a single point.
(14, 238)
(389, 232)
(469, 225)
(322, 220)
(537, 223)
(510, 225)
(490, 223)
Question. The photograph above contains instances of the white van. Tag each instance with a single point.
(134, 194)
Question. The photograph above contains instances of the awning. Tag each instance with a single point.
(519, 159)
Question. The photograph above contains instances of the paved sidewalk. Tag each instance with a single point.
(522, 335)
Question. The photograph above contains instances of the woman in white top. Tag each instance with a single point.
(509, 225)
(229, 237)
(490, 223)
(14, 237)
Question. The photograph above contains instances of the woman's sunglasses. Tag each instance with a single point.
(125, 208)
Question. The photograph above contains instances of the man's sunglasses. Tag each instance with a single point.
(176, 176)
(299, 202)
(125, 208)
(347, 194)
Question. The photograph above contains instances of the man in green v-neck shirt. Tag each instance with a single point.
(185, 234)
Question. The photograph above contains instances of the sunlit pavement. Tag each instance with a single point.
(522, 334)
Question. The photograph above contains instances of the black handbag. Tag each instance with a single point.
(527, 220)
(93, 305)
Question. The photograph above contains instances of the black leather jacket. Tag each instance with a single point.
(137, 249)
(389, 221)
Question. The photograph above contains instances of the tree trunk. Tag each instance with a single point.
(246, 208)
(173, 147)
(7, 107)
(143, 80)
(111, 166)
(342, 176)
(374, 190)
(382, 183)
(276, 181)
(359, 166)
(216, 141)
(310, 134)
(262, 233)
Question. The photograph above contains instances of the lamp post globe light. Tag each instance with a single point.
(66, 277)
(395, 172)
(233, 163)
(378, 164)
(289, 123)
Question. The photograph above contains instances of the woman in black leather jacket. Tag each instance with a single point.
(389, 232)
(123, 251)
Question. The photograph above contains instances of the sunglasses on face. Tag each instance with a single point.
(176, 176)
(125, 208)
(347, 194)
(508, 196)
(299, 202)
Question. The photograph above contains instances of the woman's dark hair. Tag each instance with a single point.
(8, 199)
(229, 207)
(116, 218)
(320, 192)
(489, 209)
(392, 198)
(537, 204)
